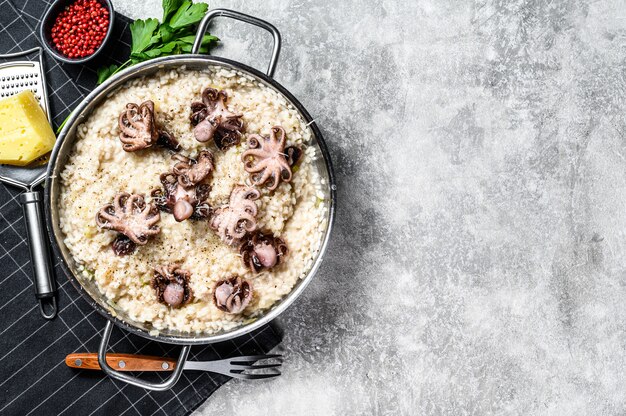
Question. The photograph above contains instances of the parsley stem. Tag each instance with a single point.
(63, 124)
(125, 64)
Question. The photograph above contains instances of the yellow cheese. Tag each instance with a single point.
(25, 133)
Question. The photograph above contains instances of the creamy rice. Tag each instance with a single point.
(98, 168)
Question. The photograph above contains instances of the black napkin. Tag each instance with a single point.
(33, 377)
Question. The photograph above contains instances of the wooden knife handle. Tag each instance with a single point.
(121, 362)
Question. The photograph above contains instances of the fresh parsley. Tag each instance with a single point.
(171, 36)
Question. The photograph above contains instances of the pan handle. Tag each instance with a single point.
(204, 24)
(45, 288)
(135, 381)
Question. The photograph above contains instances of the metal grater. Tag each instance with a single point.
(24, 75)
(17, 76)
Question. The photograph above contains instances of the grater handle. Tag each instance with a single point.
(45, 288)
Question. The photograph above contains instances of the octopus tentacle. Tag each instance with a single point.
(255, 152)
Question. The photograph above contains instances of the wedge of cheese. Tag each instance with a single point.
(25, 133)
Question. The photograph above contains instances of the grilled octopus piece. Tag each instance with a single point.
(167, 140)
(232, 295)
(137, 126)
(262, 251)
(265, 159)
(213, 120)
(183, 194)
(130, 215)
(193, 171)
(171, 284)
(139, 129)
(233, 221)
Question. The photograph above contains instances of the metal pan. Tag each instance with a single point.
(59, 157)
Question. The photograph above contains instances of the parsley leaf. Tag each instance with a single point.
(166, 49)
(186, 43)
(105, 72)
(188, 14)
(165, 32)
(206, 39)
(169, 7)
(141, 32)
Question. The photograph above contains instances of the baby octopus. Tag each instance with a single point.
(234, 220)
(183, 194)
(138, 129)
(191, 172)
(171, 284)
(131, 216)
(262, 251)
(266, 159)
(232, 295)
(213, 120)
(137, 126)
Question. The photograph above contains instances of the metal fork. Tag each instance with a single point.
(235, 367)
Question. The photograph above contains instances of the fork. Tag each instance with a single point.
(235, 367)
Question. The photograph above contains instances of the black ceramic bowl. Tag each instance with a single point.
(48, 21)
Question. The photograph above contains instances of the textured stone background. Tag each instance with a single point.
(478, 264)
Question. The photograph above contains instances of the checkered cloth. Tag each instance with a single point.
(33, 377)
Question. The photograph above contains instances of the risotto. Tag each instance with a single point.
(99, 169)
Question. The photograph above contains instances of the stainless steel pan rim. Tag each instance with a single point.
(134, 72)
(60, 153)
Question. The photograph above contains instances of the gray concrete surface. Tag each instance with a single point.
(478, 264)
